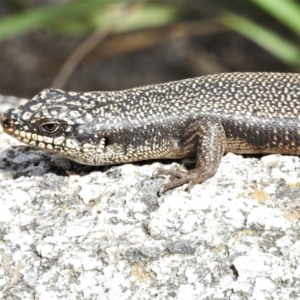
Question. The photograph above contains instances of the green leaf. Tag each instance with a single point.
(150, 16)
(286, 11)
(275, 44)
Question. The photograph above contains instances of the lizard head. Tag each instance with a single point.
(58, 122)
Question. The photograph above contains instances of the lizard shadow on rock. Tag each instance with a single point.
(27, 161)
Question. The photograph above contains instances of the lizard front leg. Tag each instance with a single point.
(208, 136)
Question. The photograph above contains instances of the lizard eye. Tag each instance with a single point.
(50, 128)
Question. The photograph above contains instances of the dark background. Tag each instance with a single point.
(195, 41)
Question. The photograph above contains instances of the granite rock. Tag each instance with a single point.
(75, 232)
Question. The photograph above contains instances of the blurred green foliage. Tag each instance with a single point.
(287, 12)
(268, 39)
(246, 17)
(80, 17)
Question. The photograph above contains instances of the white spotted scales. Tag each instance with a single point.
(200, 117)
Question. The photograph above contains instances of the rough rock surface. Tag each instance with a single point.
(74, 232)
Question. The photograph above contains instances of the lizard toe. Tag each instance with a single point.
(160, 172)
(172, 183)
(193, 182)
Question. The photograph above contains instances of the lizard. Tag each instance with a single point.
(201, 117)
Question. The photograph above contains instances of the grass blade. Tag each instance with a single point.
(286, 11)
(267, 39)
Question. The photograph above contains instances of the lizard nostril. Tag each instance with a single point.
(8, 121)
(7, 124)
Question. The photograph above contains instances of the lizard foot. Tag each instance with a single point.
(178, 178)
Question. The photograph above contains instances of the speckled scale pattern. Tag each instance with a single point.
(251, 113)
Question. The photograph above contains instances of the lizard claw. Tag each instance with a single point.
(175, 175)
(178, 178)
(161, 190)
(193, 182)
